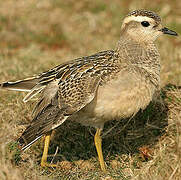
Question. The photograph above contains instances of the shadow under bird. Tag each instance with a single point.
(92, 90)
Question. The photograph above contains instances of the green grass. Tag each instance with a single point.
(38, 35)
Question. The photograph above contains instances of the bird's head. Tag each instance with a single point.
(145, 26)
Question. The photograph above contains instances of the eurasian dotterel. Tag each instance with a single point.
(92, 90)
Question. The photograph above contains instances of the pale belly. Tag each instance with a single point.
(119, 99)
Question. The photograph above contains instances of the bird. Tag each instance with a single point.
(92, 90)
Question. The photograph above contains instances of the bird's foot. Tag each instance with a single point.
(46, 164)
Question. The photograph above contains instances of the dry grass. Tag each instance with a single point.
(36, 35)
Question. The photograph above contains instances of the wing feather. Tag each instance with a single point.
(65, 90)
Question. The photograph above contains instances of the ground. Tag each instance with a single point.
(37, 35)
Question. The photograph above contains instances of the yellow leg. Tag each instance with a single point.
(45, 152)
(98, 144)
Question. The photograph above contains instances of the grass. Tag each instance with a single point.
(38, 35)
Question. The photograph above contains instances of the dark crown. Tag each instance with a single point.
(146, 13)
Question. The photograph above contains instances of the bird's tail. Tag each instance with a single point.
(20, 85)
(30, 85)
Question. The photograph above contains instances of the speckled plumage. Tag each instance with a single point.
(92, 90)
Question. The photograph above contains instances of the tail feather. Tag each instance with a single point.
(30, 85)
(21, 85)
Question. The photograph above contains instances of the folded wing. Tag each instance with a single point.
(64, 90)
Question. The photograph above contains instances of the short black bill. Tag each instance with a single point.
(168, 31)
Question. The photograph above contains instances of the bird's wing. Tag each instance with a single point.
(37, 83)
(73, 87)
(56, 105)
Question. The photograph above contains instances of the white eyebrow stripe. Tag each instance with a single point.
(137, 18)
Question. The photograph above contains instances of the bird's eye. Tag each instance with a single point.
(145, 23)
